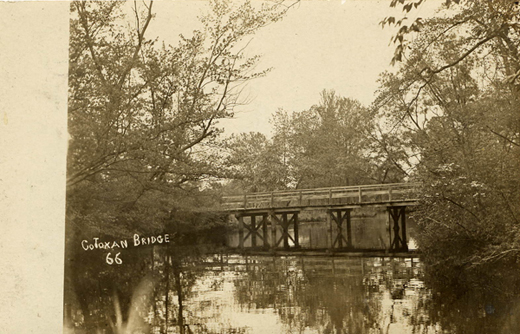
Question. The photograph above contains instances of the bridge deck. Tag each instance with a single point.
(378, 194)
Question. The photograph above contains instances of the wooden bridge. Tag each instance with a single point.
(256, 211)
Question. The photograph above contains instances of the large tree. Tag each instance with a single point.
(454, 105)
(331, 143)
(142, 121)
(142, 116)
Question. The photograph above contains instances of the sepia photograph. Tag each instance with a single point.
(289, 166)
(292, 167)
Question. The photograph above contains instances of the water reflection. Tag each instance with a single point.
(313, 295)
(265, 294)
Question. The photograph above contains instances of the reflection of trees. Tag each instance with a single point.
(475, 301)
(92, 287)
(98, 295)
(343, 299)
(339, 295)
(174, 271)
(326, 294)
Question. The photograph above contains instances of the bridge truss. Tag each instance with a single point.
(261, 214)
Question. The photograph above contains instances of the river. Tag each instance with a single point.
(228, 293)
(264, 294)
(309, 295)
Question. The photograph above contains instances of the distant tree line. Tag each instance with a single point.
(333, 143)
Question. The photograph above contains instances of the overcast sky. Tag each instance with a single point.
(319, 45)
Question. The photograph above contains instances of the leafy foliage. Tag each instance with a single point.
(453, 105)
(142, 118)
(254, 163)
(142, 121)
(333, 143)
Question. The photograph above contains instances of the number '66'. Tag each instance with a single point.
(116, 259)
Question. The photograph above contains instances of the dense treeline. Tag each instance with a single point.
(333, 143)
(454, 105)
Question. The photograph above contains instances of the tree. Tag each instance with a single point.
(143, 119)
(453, 103)
(331, 143)
(255, 163)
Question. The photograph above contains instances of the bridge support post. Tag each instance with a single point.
(264, 231)
(252, 231)
(349, 229)
(339, 216)
(273, 230)
(295, 228)
(329, 223)
(285, 231)
(285, 222)
(398, 240)
(240, 231)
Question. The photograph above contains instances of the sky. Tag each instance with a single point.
(337, 44)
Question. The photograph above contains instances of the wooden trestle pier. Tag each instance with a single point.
(259, 214)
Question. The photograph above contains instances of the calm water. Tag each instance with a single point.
(237, 294)
(293, 294)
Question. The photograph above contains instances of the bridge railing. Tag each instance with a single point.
(393, 192)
